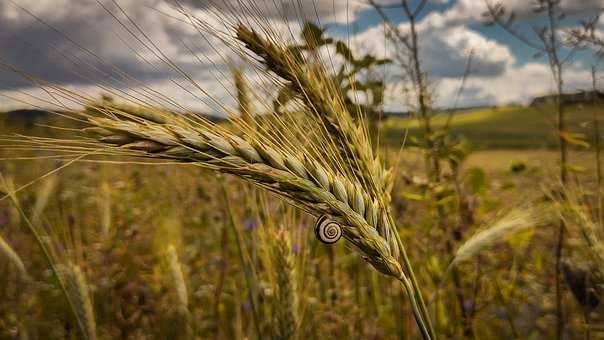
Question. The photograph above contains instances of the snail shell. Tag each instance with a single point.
(327, 230)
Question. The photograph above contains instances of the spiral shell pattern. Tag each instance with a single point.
(327, 231)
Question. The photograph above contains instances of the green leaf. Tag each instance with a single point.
(575, 168)
(574, 138)
(383, 61)
(413, 197)
(313, 36)
(343, 50)
(477, 180)
(446, 200)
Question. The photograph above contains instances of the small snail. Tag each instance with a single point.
(327, 231)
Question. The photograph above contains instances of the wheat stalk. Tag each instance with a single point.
(180, 287)
(42, 199)
(324, 100)
(514, 222)
(307, 169)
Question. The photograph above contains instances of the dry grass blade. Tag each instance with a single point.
(11, 255)
(42, 198)
(178, 278)
(104, 205)
(576, 217)
(584, 267)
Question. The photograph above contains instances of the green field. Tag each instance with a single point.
(177, 252)
(500, 128)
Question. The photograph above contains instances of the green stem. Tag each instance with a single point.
(247, 268)
(415, 294)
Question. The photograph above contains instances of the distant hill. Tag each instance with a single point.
(399, 114)
(501, 128)
(25, 116)
(583, 97)
(29, 117)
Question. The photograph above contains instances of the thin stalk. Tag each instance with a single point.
(415, 295)
(425, 331)
(465, 219)
(224, 242)
(549, 45)
(333, 295)
(596, 124)
(587, 335)
(247, 268)
(559, 312)
(556, 67)
(508, 309)
(422, 316)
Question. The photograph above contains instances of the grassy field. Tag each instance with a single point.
(175, 252)
(140, 223)
(500, 128)
(138, 216)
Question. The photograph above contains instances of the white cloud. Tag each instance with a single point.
(518, 84)
(325, 11)
(497, 77)
(38, 49)
(446, 53)
(80, 45)
(464, 11)
(444, 50)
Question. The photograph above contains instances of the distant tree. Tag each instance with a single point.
(547, 41)
(587, 37)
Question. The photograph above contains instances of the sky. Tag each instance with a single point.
(94, 46)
